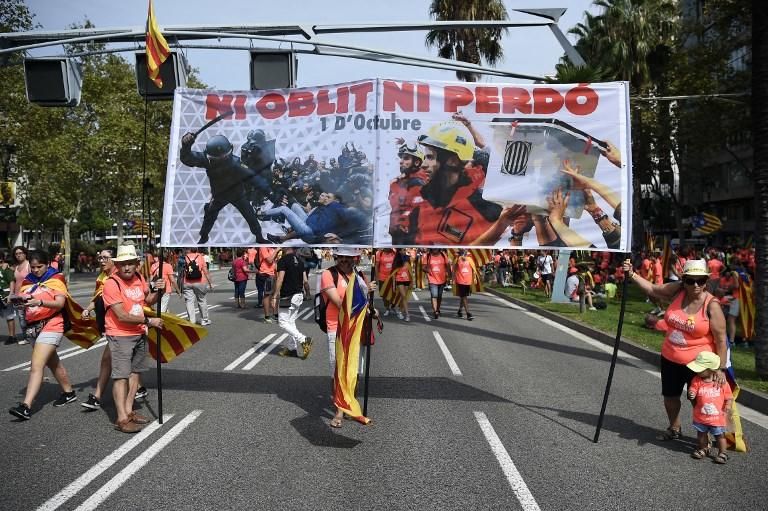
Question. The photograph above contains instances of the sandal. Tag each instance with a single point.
(669, 434)
(721, 458)
(336, 422)
(700, 454)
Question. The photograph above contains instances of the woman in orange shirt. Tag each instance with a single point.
(43, 293)
(401, 267)
(695, 324)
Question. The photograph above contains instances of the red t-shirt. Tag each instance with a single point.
(710, 401)
(715, 266)
(403, 274)
(464, 272)
(240, 274)
(436, 273)
(128, 295)
(384, 264)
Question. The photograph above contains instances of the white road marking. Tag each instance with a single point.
(185, 315)
(84, 480)
(248, 353)
(258, 358)
(505, 302)
(62, 352)
(116, 482)
(80, 352)
(415, 296)
(424, 313)
(249, 293)
(523, 494)
(309, 314)
(447, 354)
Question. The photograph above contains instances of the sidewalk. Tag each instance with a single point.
(747, 397)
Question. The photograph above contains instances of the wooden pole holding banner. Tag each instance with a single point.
(615, 355)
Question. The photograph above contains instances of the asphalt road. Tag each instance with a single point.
(498, 413)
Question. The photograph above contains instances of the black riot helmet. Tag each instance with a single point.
(257, 152)
(218, 148)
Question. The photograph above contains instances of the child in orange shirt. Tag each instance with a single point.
(711, 405)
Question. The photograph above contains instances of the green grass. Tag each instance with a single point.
(607, 320)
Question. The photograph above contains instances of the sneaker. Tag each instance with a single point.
(593, 308)
(407, 319)
(65, 398)
(276, 317)
(459, 314)
(22, 342)
(286, 352)
(306, 347)
(205, 322)
(92, 403)
(21, 411)
(10, 340)
(277, 240)
(436, 315)
(386, 313)
(470, 317)
(268, 320)
(141, 393)
(400, 315)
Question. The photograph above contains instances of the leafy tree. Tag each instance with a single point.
(471, 45)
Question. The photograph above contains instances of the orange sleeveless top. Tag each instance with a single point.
(688, 334)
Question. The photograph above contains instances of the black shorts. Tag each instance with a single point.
(674, 377)
(463, 290)
(406, 283)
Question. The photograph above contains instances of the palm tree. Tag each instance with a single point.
(760, 172)
(471, 45)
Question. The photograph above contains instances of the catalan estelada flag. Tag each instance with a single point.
(706, 223)
(157, 48)
(747, 308)
(348, 336)
(178, 335)
(83, 332)
(388, 291)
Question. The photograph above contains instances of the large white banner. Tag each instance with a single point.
(395, 163)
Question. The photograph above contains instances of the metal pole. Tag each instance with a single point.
(160, 341)
(369, 332)
(615, 356)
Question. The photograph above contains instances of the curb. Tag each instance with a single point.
(747, 397)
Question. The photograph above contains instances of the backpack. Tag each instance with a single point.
(231, 274)
(192, 269)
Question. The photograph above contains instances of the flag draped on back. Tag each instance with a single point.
(418, 272)
(178, 336)
(747, 308)
(348, 336)
(83, 332)
(388, 291)
(479, 257)
(157, 48)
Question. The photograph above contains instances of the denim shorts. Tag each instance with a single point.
(436, 290)
(706, 428)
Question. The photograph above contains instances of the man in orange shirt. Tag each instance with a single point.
(167, 276)
(438, 271)
(125, 294)
(265, 281)
(464, 276)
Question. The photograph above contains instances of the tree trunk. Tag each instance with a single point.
(64, 265)
(760, 145)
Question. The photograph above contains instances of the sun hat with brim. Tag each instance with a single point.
(348, 252)
(705, 360)
(696, 267)
(125, 253)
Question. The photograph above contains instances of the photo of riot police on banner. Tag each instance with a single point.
(243, 182)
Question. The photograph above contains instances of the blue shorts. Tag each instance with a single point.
(436, 290)
(705, 428)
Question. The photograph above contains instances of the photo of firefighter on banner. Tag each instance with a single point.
(396, 163)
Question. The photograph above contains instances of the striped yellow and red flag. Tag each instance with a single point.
(388, 291)
(747, 307)
(348, 336)
(666, 254)
(157, 48)
(418, 272)
(178, 335)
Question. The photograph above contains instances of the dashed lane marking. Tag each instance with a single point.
(447, 354)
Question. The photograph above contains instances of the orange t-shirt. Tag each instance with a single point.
(436, 273)
(403, 274)
(200, 258)
(332, 312)
(34, 314)
(658, 277)
(384, 264)
(167, 274)
(710, 401)
(715, 266)
(688, 335)
(464, 272)
(264, 265)
(251, 252)
(129, 296)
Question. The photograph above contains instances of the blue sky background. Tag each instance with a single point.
(528, 50)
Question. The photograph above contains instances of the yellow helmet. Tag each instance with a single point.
(411, 150)
(451, 136)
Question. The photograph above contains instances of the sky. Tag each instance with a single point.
(528, 50)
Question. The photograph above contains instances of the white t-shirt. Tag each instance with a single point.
(545, 263)
(571, 285)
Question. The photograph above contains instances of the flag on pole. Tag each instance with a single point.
(178, 335)
(735, 435)
(747, 309)
(348, 341)
(157, 48)
(706, 223)
(666, 254)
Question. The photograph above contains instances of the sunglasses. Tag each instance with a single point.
(689, 281)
